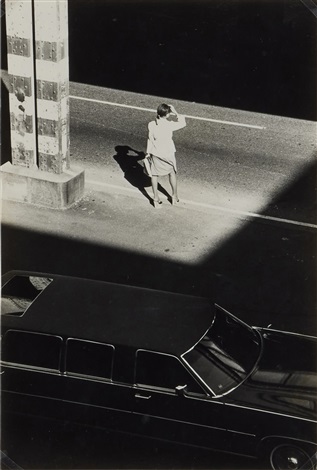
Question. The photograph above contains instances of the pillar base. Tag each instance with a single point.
(57, 191)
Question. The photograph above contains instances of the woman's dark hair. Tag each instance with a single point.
(163, 109)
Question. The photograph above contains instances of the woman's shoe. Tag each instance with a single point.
(175, 200)
(157, 204)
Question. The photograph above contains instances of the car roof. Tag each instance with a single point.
(123, 315)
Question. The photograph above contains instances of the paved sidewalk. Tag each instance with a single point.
(114, 213)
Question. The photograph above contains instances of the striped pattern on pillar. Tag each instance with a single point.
(52, 83)
(21, 83)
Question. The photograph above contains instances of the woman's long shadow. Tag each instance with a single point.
(129, 161)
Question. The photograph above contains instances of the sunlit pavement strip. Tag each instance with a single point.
(229, 123)
(213, 207)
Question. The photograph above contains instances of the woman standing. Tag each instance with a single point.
(161, 149)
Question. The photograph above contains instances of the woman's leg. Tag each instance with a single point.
(173, 183)
(154, 180)
(154, 187)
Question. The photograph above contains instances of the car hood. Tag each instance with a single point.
(284, 379)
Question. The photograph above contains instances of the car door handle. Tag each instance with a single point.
(144, 397)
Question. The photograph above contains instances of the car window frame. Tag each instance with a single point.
(166, 390)
(87, 376)
(18, 365)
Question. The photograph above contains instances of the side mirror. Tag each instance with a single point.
(181, 390)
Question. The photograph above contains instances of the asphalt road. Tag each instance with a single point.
(241, 160)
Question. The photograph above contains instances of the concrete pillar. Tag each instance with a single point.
(52, 82)
(19, 26)
(40, 173)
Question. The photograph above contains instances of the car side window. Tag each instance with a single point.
(89, 358)
(32, 349)
(163, 371)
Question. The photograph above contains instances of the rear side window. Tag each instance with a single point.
(89, 358)
(31, 349)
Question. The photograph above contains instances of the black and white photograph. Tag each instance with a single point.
(158, 235)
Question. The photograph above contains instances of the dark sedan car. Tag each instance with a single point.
(158, 364)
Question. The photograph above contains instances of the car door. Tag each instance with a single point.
(91, 395)
(31, 379)
(167, 411)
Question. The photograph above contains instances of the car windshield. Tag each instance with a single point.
(226, 354)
